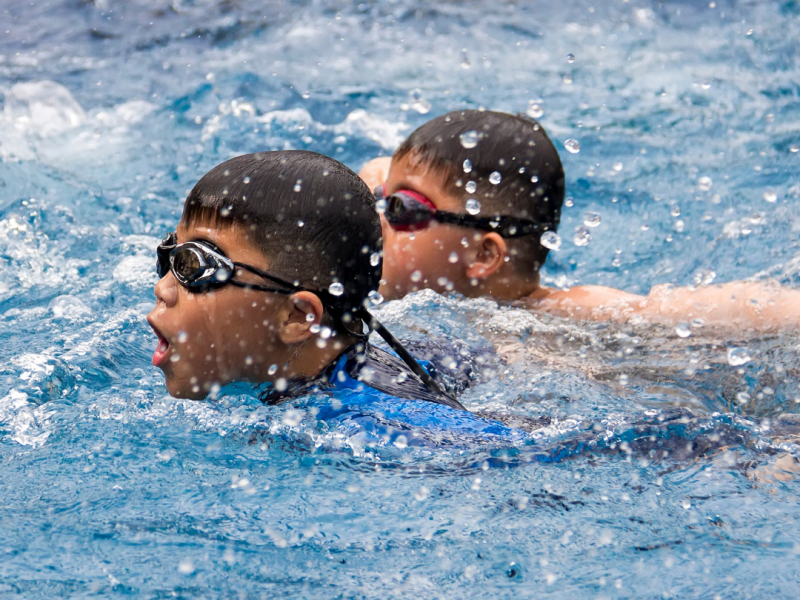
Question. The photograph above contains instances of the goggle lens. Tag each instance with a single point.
(406, 213)
(187, 264)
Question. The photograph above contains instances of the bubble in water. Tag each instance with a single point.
(703, 277)
(675, 211)
(592, 219)
(535, 109)
(683, 330)
(375, 259)
(770, 196)
(336, 289)
(738, 356)
(704, 183)
(471, 187)
(418, 103)
(617, 166)
(582, 236)
(381, 206)
(467, 166)
(473, 206)
(570, 58)
(550, 240)
(469, 139)
(572, 146)
(453, 258)
(375, 298)
(495, 178)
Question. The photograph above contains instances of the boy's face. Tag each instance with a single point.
(220, 336)
(434, 257)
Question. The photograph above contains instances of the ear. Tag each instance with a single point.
(301, 311)
(490, 255)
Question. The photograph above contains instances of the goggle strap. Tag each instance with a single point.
(416, 368)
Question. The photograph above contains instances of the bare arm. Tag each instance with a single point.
(375, 171)
(739, 304)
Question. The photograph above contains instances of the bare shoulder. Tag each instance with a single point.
(375, 171)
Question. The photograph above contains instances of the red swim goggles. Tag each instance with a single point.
(407, 210)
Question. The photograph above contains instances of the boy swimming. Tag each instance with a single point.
(468, 198)
(266, 280)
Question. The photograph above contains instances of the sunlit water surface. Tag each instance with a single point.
(664, 464)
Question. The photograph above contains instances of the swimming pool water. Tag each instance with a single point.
(665, 465)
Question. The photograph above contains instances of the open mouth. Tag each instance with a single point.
(160, 355)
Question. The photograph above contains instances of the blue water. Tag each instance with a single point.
(664, 471)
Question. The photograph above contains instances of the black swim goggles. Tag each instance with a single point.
(406, 210)
(200, 266)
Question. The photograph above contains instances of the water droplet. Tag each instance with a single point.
(572, 146)
(381, 206)
(567, 79)
(473, 206)
(617, 166)
(534, 179)
(375, 259)
(301, 223)
(416, 276)
(495, 178)
(182, 337)
(770, 196)
(570, 58)
(246, 180)
(467, 166)
(704, 183)
(336, 289)
(298, 186)
(794, 148)
(535, 109)
(471, 187)
(281, 384)
(592, 219)
(742, 397)
(453, 258)
(465, 242)
(423, 491)
(738, 356)
(686, 504)
(551, 240)
(683, 330)
(675, 211)
(703, 277)
(680, 225)
(375, 298)
(469, 139)
(292, 417)
(465, 64)
(418, 103)
(582, 236)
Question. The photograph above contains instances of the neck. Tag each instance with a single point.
(308, 360)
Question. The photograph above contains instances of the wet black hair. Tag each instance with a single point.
(311, 216)
(515, 146)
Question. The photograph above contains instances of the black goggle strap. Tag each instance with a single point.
(507, 227)
(425, 377)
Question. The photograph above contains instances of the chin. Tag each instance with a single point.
(184, 391)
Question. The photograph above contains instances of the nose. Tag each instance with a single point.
(166, 290)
